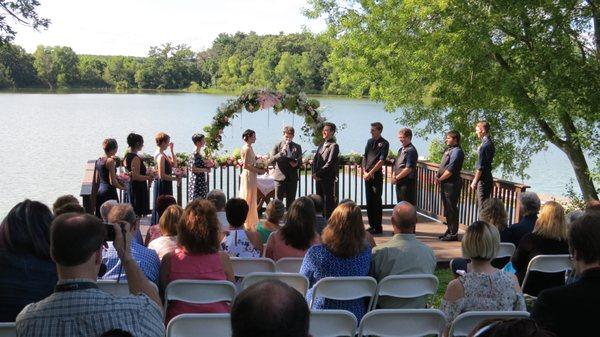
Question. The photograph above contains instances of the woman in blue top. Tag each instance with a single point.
(344, 252)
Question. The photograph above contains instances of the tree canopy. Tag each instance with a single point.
(531, 68)
(20, 12)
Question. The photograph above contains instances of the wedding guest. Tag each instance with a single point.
(325, 168)
(512, 327)
(140, 178)
(197, 258)
(162, 203)
(549, 236)
(200, 169)
(297, 235)
(27, 273)
(344, 252)
(105, 209)
(168, 225)
(239, 242)
(217, 197)
(483, 287)
(286, 157)
(69, 208)
(405, 168)
(165, 164)
(320, 221)
(376, 152)
(106, 168)
(450, 182)
(63, 200)
(275, 211)
(529, 206)
(483, 181)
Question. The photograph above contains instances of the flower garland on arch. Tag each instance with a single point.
(258, 99)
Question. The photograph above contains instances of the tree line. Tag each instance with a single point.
(287, 62)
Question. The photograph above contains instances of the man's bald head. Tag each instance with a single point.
(404, 218)
(270, 309)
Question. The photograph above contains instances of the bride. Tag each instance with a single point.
(248, 181)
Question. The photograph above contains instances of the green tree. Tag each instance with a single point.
(168, 67)
(65, 63)
(44, 66)
(287, 74)
(20, 65)
(531, 68)
(91, 69)
(21, 12)
(120, 71)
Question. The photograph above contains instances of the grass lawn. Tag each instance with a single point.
(444, 276)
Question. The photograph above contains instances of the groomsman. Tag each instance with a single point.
(376, 153)
(325, 169)
(405, 168)
(448, 177)
(483, 182)
(286, 156)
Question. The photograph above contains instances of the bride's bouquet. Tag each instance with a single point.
(262, 163)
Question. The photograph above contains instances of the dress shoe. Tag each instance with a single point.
(374, 230)
(445, 233)
(450, 237)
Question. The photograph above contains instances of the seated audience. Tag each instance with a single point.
(239, 242)
(146, 258)
(573, 216)
(217, 197)
(593, 205)
(197, 258)
(270, 309)
(494, 213)
(106, 207)
(548, 237)
(529, 206)
(403, 254)
(63, 200)
(27, 273)
(116, 333)
(572, 310)
(514, 327)
(320, 221)
(275, 211)
(168, 223)
(69, 208)
(77, 308)
(483, 288)
(297, 235)
(368, 234)
(162, 203)
(344, 252)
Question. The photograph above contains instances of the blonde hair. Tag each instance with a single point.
(481, 241)
(494, 213)
(344, 234)
(161, 138)
(169, 220)
(551, 222)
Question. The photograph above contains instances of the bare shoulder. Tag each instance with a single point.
(454, 291)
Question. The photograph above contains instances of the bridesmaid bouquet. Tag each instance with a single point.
(123, 178)
(151, 172)
(179, 172)
(208, 162)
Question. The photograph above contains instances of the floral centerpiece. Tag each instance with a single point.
(262, 163)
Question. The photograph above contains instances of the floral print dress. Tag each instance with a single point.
(198, 187)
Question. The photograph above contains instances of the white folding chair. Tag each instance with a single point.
(402, 323)
(345, 288)
(406, 287)
(8, 329)
(243, 266)
(467, 321)
(296, 281)
(507, 249)
(547, 264)
(332, 323)
(192, 325)
(199, 291)
(117, 289)
(289, 265)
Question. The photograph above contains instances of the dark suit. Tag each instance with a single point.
(450, 188)
(571, 310)
(376, 150)
(286, 176)
(406, 188)
(485, 159)
(325, 168)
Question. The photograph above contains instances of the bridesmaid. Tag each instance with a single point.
(106, 168)
(198, 185)
(138, 185)
(164, 163)
(248, 181)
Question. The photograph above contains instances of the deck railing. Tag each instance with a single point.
(350, 185)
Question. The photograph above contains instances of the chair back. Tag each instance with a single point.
(345, 288)
(8, 329)
(547, 264)
(507, 249)
(243, 266)
(199, 291)
(289, 265)
(296, 281)
(467, 321)
(332, 323)
(192, 325)
(112, 287)
(406, 286)
(402, 323)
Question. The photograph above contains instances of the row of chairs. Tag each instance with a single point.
(332, 323)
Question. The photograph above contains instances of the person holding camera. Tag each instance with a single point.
(77, 307)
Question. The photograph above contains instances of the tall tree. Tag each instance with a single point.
(529, 67)
(20, 12)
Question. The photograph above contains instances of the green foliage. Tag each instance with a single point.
(56, 66)
(528, 67)
(18, 66)
(435, 151)
(120, 71)
(21, 11)
(91, 71)
(168, 67)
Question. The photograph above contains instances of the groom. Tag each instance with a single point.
(286, 156)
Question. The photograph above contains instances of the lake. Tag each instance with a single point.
(48, 137)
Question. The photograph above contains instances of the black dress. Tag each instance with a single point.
(138, 190)
(106, 191)
(164, 187)
(198, 186)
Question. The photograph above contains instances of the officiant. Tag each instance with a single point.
(286, 158)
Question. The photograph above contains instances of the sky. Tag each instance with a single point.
(131, 27)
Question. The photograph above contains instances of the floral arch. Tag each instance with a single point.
(258, 99)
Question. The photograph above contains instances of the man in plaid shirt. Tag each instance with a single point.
(77, 307)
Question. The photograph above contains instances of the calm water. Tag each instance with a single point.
(48, 137)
